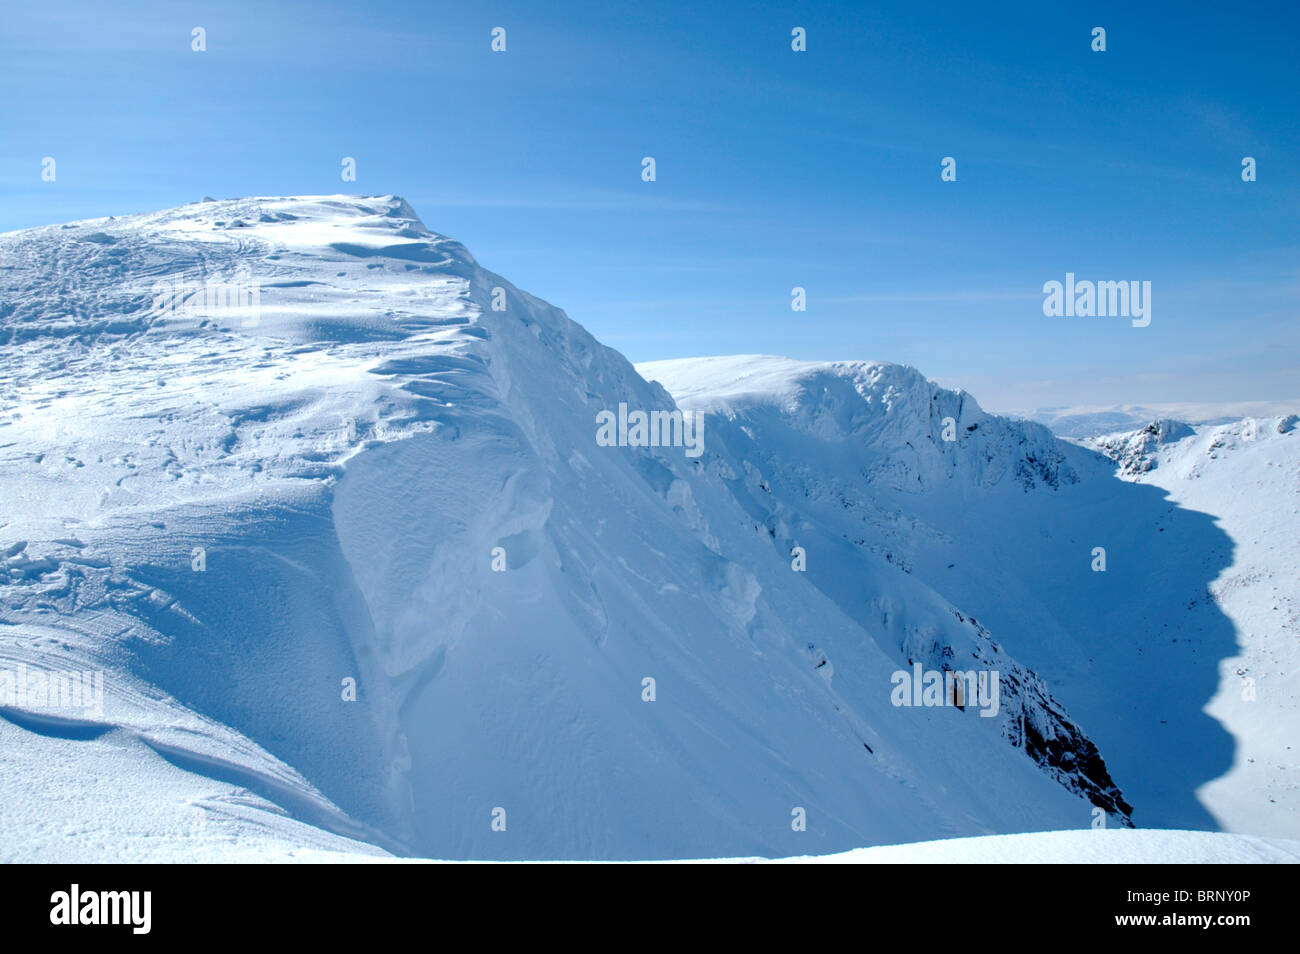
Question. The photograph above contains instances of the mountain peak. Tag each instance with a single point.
(295, 266)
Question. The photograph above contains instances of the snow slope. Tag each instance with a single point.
(233, 516)
(1110, 846)
(1079, 846)
(1199, 586)
(1247, 475)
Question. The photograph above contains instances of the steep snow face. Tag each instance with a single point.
(828, 450)
(1155, 573)
(1247, 475)
(898, 430)
(323, 501)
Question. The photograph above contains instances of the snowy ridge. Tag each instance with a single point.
(1142, 450)
(1135, 452)
(891, 413)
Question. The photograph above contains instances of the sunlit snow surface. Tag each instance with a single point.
(1182, 659)
(342, 469)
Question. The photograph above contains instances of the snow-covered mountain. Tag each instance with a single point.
(329, 507)
(1151, 649)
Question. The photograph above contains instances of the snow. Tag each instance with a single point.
(1095, 420)
(233, 517)
(1110, 846)
(1200, 592)
(1246, 474)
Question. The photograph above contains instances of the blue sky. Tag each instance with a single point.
(818, 169)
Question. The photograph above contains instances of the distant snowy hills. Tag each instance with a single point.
(1082, 422)
(324, 502)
